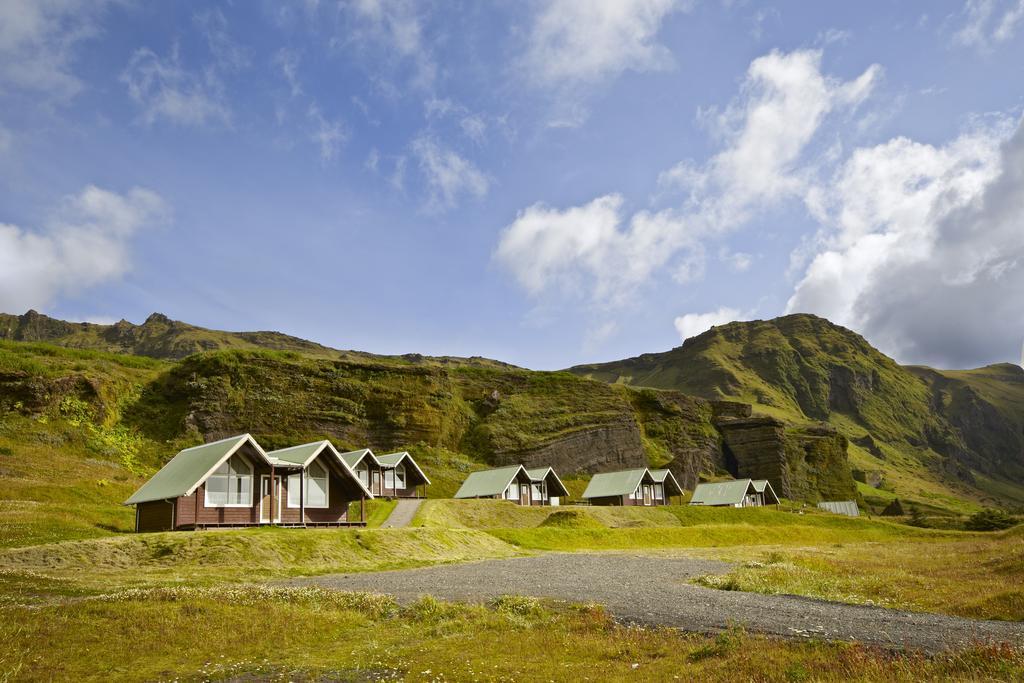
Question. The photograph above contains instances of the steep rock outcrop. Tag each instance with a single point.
(817, 463)
(755, 447)
(602, 449)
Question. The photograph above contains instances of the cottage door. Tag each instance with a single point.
(647, 495)
(375, 489)
(524, 494)
(265, 499)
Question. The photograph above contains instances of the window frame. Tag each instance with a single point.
(252, 484)
(305, 489)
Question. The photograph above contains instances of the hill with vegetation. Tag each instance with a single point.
(935, 436)
(84, 418)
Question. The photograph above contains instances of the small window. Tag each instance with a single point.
(659, 492)
(400, 477)
(364, 475)
(294, 490)
(389, 479)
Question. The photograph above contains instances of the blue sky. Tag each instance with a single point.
(547, 183)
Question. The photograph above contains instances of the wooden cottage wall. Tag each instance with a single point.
(157, 515)
(186, 508)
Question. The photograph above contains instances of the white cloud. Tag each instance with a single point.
(595, 336)
(227, 54)
(397, 179)
(692, 324)
(399, 27)
(472, 124)
(86, 242)
(38, 39)
(327, 134)
(474, 127)
(287, 61)
(164, 89)
(924, 248)
(545, 245)
(448, 175)
(765, 133)
(372, 162)
(589, 41)
(737, 260)
(989, 23)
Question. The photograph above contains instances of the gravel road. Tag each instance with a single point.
(653, 590)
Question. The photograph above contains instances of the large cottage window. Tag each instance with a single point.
(316, 481)
(230, 485)
(315, 489)
(400, 477)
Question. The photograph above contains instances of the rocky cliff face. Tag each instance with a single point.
(498, 415)
(755, 448)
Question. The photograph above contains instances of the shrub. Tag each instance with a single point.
(517, 605)
(917, 518)
(990, 520)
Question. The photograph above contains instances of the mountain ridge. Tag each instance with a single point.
(931, 434)
(967, 425)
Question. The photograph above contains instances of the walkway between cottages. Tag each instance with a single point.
(403, 513)
(654, 591)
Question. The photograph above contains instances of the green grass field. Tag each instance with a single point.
(254, 633)
(194, 606)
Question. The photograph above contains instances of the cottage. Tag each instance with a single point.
(545, 486)
(513, 483)
(632, 487)
(227, 483)
(403, 478)
(395, 475)
(738, 493)
(366, 467)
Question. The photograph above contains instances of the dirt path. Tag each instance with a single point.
(403, 513)
(654, 591)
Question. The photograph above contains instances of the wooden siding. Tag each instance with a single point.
(341, 491)
(157, 515)
(339, 494)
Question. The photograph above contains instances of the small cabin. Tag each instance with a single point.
(233, 482)
(394, 475)
(738, 493)
(402, 477)
(632, 487)
(515, 483)
(545, 486)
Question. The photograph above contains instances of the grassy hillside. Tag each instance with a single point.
(934, 437)
(81, 429)
(85, 417)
